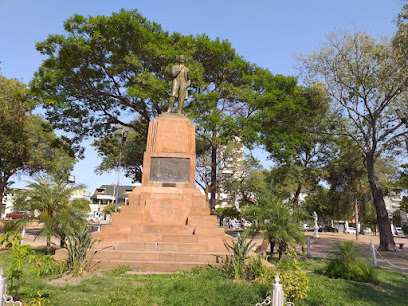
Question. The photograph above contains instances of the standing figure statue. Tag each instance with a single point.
(181, 81)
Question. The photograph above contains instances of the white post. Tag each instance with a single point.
(315, 227)
(22, 235)
(277, 292)
(3, 286)
(308, 246)
(373, 253)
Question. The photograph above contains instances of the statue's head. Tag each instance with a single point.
(181, 59)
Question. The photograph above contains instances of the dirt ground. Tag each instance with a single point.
(324, 246)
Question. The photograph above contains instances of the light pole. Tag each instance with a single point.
(124, 134)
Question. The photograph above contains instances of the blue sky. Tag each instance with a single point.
(265, 32)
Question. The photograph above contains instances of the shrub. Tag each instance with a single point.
(240, 249)
(10, 239)
(346, 264)
(405, 229)
(80, 250)
(294, 281)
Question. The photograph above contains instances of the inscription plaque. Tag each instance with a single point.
(167, 169)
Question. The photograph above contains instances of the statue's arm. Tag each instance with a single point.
(175, 70)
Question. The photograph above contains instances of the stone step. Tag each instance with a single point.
(200, 211)
(162, 228)
(122, 218)
(149, 266)
(215, 231)
(202, 221)
(160, 256)
(160, 246)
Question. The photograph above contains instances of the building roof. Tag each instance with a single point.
(124, 190)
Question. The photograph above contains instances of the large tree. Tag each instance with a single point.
(367, 83)
(109, 70)
(291, 122)
(27, 142)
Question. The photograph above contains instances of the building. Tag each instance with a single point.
(106, 194)
(8, 204)
(393, 203)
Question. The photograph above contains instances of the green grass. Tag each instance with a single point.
(210, 288)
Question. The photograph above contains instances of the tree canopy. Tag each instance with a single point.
(367, 83)
(27, 142)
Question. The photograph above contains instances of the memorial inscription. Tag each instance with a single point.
(165, 169)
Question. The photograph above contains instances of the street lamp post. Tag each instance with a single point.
(124, 134)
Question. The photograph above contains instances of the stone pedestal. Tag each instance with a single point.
(167, 225)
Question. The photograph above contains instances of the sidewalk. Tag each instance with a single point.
(325, 246)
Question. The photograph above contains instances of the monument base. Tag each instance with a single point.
(167, 225)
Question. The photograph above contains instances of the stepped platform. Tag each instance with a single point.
(166, 225)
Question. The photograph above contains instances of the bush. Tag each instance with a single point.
(80, 251)
(240, 250)
(405, 229)
(346, 264)
(294, 281)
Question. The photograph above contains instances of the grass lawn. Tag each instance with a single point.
(210, 288)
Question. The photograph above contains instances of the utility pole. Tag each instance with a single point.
(124, 134)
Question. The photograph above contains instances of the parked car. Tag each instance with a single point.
(351, 230)
(234, 223)
(17, 215)
(399, 231)
(328, 228)
(247, 223)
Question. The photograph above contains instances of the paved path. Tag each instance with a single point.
(325, 246)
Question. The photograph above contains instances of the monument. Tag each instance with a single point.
(167, 225)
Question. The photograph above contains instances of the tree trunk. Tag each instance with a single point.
(272, 246)
(48, 244)
(213, 177)
(2, 189)
(386, 239)
(296, 200)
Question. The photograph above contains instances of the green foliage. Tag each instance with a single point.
(81, 204)
(39, 300)
(110, 208)
(122, 269)
(22, 257)
(227, 212)
(10, 239)
(240, 250)
(404, 204)
(276, 221)
(46, 265)
(27, 142)
(80, 250)
(294, 281)
(346, 264)
(50, 198)
(257, 270)
(15, 225)
(405, 229)
(365, 102)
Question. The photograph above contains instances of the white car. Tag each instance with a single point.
(351, 230)
(399, 231)
(234, 223)
(247, 223)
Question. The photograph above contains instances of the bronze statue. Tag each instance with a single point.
(181, 82)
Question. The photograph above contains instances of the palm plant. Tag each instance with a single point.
(240, 250)
(276, 221)
(48, 199)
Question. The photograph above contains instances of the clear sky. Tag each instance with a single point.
(265, 32)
